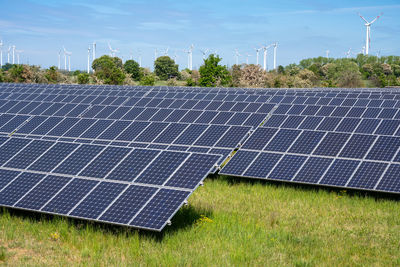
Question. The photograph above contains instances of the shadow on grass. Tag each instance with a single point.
(185, 218)
(233, 180)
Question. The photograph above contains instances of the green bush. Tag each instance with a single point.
(148, 80)
(83, 78)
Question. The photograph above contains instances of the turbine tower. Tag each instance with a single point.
(368, 36)
(204, 52)
(88, 60)
(13, 54)
(155, 54)
(237, 55)
(59, 59)
(8, 54)
(166, 51)
(18, 52)
(275, 45)
(1, 53)
(257, 52)
(67, 53)
(247, 58)
(112, 51)
(327, 53)
(265, 48)
(191, 56)
(348, 53)
(94, 50)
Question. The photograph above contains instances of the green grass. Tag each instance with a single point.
(228, 222)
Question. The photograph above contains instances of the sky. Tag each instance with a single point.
(302, 29)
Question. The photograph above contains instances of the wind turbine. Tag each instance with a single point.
(191, 56)
(368, 25)
(67, 53)
(155, 54)
(94, 50)
(275, 45)
(1, 53)
(247, 58)
(166, 51)
(88, 60)
(327, 53)
(112, 51)
(8, 54)
(348, 53)
(265, 48)
(175, 56)
(140, 57)
(18, 52)
(257, 51)
(237, 55)
(59, 59)
(13, 54)
(204, 52)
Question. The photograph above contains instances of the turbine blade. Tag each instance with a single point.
(363, 18)
(376, 18)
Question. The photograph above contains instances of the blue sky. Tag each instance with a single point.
(302, 28)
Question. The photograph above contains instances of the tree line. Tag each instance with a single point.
(361, 71)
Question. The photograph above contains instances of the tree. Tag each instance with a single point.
(133, 68)
(108, 69)
(212, 74)
(252, 76)
(52, 75)
(148, 80)
(165, 68)
(83, 78)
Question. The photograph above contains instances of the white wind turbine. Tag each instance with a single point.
(140, 57)
(175, 56)
(1, 53)
(204, 52)
(166, 51)
(13, 54)
(247, 58)
(88, 60)
(59, 59)
(93, 50)
(265, 48)
(155, 54)
(8, 54)
(112, 51)
(18, 52)
(275, 45)
(190, 56)
(327, 53)
(368, 36)
(348, 53)
(67, 53)
(237, 55)
(257, 52)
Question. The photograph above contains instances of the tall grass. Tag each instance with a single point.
(227, 222)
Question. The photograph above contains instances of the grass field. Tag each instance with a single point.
(228, 222)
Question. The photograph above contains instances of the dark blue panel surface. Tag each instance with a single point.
(282, 140)
(311, 123)
(275, 121)
(162, 206)
(31, 124)
(384, 148)
(114, 130)
(367, 175)
(211, 135)
(195, 168)
(98, 200)
(63, 126)
(96, 129)
(259, 138)
(233, 136)
(287, 167)
(42, 193)
(170, 133)
(357, 146)
(190, 134)
(367, 126)
(47, 125)
(133, 165)
(331, 144)
(19, 187)
(81, 126)
(68, 197)
(105, 162)
(391, 179)
(79, 159)
(306, 142)
(53, 157)
(151, 132)
(11, 147)
(313, 169)
(128, 204)
(29, 154)
(239, 162)
(162, 167)
(388, 127)
(262, 166)
(7, 176)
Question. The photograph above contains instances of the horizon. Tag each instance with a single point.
(42, 28)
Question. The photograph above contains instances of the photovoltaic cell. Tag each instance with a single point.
(287, 167)
(390, 180)
(259, 138)
(28, 154)
(313, 169)
(263, 165)
(239, 162)
(367, 175)
(331, 144)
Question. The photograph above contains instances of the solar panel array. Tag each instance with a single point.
(133, 155)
